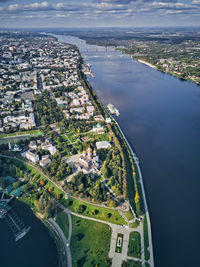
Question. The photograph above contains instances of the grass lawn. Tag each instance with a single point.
(21, 133)
(131, 263)
(146, 239)
(129, 215)
(101, 213)
(134, 246)
(134, 224)
(90, 243)
(62, 221)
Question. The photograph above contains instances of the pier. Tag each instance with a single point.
(11, 218)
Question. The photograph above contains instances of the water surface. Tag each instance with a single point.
(160, 115)
(36, 249)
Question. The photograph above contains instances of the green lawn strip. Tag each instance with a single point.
(134, 224)
(131, 263)
(49, 184)
(90, 243)
(104, 214)
(20, 133)
(146, 239)
(118, 249)
(134, 247)
(129, 215)
(62, 221)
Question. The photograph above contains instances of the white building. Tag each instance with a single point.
(44, 162)
(103, 144)
(32, 157)
(52, 150)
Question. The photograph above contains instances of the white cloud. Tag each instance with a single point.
(173, 12)
(196, 2)
(36, 5)
(13, 7)
(60, 5)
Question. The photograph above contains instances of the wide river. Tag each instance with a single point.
(160, 115)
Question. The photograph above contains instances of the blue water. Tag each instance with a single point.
(160, 115)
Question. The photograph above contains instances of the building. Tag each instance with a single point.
(52, 150)
(33, 144)
(44, 162)
(103, 144)
(98, 128)
(108, 120)
(32, 157)
(88, 162)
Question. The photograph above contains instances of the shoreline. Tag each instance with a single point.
(135, 158)
(165, 72)
(147, 63)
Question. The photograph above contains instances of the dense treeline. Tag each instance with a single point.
(39, 200)
(48, 111)
(58, 169)
(129, 173)
(61, 90)
(112, 170)
(88, 186)
(76, 126)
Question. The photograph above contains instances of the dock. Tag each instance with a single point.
(12, 220)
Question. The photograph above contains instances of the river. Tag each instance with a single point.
(37, 248)
(160, 116)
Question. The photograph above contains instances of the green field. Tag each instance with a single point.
(131, 263)
(90, 243)
(134, 246)
(62, 221)
(20, 133)
(146, 239)
(101, 213)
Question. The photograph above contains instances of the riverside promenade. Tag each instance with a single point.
(136, 161)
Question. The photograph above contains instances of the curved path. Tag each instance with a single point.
(64, 240)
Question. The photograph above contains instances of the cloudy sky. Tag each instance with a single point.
(98, 13)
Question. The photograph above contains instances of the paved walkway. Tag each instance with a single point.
(117, 258)
(64, 240)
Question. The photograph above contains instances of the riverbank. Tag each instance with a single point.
(163, 71)
(147, 63)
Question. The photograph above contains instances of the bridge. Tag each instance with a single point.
(11, 218)
(98, 49)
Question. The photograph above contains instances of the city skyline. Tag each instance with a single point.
(98, 13)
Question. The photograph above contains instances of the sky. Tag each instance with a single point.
(98, 13)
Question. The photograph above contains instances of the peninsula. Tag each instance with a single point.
(67, 156)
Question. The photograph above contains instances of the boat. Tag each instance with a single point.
(117, 112)
(113, 110)
(22, 233)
